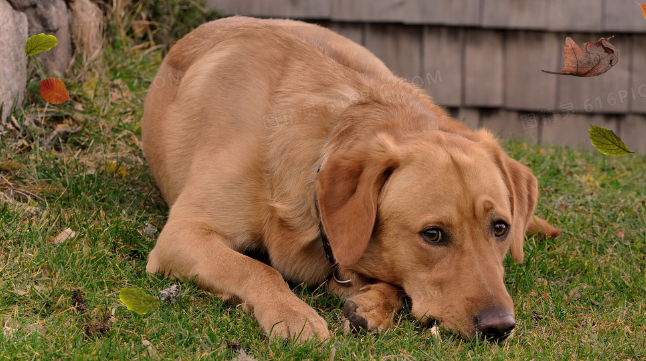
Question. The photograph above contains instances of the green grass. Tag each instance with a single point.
(579, 296)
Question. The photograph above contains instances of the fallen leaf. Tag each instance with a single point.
(54, 91)
(139, 301)
(64, 236)
(588, 61)
(435, 332)
(574, 294)
(621, 234)
(38, 43)
(112, 168)
(100, 325)
(8, 331)
(22, 292)
(89, 88)
(96, 328)
(607, 142)
(152, 352)
(643, 7)
(242, 356)
(10, 166)
(140, 28)
(37, 327)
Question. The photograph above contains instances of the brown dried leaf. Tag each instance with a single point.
(589, 61)
(64, 236)
(96, 328)
(10, 166)
(79, 303)
(36, 327)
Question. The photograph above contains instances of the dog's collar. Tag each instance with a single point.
(326, 245)
(326, 241)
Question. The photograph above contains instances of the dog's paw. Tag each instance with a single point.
(291, 319)
(373, 309)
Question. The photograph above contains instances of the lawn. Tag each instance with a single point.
(579, 296)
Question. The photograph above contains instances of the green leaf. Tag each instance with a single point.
(40, 42)
(607, 142)
(139, 301)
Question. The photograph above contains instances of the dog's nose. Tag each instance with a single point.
(495, 324)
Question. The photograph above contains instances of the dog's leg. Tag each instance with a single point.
(373, 309)
(187, 248)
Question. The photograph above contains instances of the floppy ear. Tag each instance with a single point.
(523, 192)
(347, 188)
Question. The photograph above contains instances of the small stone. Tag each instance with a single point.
(170, 294)
(150, 231)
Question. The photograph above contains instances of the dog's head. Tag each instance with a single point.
(434, 213)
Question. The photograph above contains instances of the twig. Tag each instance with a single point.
(62, 130)
(14, 124)
(42, 120)
(23, 192)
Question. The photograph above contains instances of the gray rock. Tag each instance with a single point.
(13, 61)
(51, 17)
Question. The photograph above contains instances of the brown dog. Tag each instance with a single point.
(239, 120)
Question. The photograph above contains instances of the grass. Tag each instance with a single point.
(580, 296)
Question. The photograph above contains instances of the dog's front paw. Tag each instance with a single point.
(291, 318)
(373, 309)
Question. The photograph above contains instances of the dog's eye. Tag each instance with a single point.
(432, 235)
(500, 228)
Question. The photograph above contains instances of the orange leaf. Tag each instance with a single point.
(643, 7)
(589, 61)
(54, 91)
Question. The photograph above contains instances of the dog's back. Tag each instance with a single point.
(246, 73)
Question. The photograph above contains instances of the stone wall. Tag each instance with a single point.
(13, 62)
(65, 19)
(483, 58)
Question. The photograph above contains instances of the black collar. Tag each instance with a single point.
(326, 245)
(326, 242)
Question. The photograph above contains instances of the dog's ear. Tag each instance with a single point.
(347, 188)
(523, 193)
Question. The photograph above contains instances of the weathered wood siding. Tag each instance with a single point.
(483, 58)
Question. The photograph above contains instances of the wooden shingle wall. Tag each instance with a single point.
(483, 58)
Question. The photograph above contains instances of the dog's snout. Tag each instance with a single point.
(495, 324)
